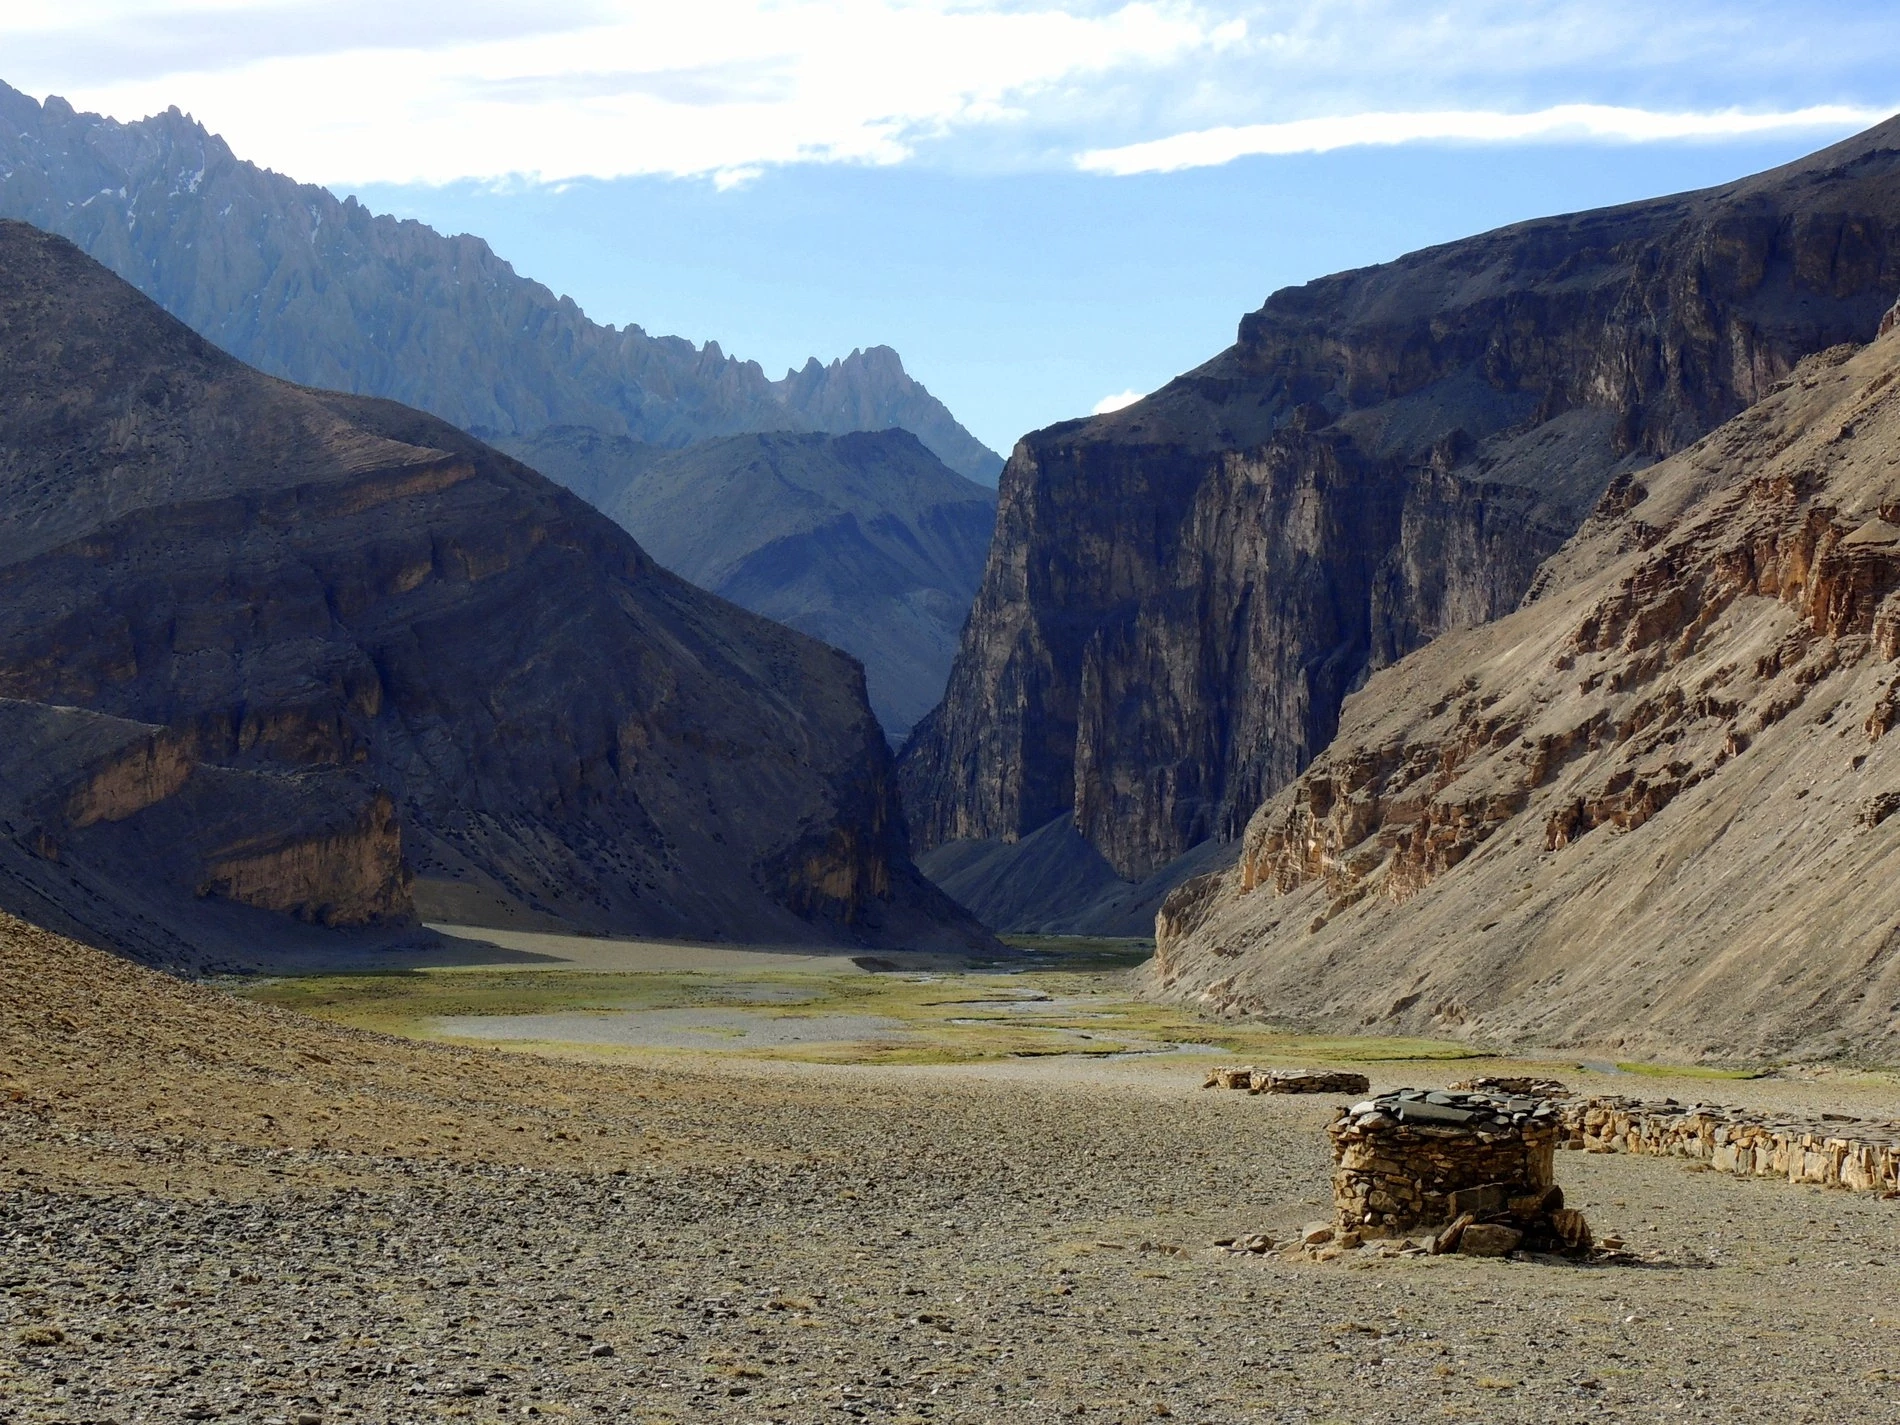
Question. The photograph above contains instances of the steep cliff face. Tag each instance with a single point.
(119, 832)
(323, 292)
(866, 541)
(307, 587)
(1182, 593)
(1650, 810)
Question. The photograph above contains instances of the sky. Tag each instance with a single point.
(1044, 207)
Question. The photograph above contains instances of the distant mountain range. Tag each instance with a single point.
(272, 655)
(866, 540)
(321, 291)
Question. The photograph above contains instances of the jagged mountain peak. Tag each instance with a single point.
(318, 289)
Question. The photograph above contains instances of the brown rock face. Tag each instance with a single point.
(351, 637)
(1181, 594)
(866, 541)
(118, 831)
(1648, 810)
(353, 875)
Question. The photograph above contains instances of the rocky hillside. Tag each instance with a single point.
(273, 650)
(325, 293)
(866, 541)
(1182, 593)
(1652, 810)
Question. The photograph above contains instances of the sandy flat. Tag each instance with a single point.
(531, 949)
(672, 1028)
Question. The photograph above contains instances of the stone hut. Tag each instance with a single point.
(1443, 1162)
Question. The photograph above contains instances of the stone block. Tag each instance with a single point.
(1481, 1201)
(1570, 1230)
(1489, 1239)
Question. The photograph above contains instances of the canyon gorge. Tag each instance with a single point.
(1182, 593)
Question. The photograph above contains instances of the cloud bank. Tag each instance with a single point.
(1599, 122)
(717, 87)
(433, 91)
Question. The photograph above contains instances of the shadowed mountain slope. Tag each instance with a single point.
(1652, 810)
(1181, 593)
(321, 291)
(427, 657)
(1052, 882)
(866, 541)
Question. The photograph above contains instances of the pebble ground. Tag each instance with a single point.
(216, 1210)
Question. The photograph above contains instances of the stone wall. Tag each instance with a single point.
(1287, 1080)
(1833, 1150)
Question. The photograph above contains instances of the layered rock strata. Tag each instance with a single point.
(1182, 593)
(356, 643)
(119, 831)
(1651, 810)
(324, 292)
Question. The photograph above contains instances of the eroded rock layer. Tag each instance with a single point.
(336, 641)
(1182, 593)
(1651, 810)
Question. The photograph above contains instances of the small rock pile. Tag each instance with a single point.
(1287, 1080)
(1477, 1166)
(1515, 1087)
(1834, 1150)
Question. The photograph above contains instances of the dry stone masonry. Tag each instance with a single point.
(1834, 1150)
(1287, 1080)
(1478, 1166)
(1516, 1087)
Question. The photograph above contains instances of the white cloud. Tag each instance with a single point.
(608, 89)
(1209, 147)
(365, 91)
(1116, 402)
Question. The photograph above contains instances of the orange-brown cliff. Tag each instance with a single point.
(1182, 593)
(1651, 810)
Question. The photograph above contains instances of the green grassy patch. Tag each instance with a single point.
(1690, 1071)
(1076, 1005)
(384, 999)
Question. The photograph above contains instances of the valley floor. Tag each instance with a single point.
(217, 1209)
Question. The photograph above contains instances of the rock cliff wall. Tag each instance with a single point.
(1652, 810)
(1181, 594)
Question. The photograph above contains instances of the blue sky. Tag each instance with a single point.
(1041, 206)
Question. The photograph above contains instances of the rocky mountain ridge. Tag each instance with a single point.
(1651, 811)
(273, 651)
(323, 292)
(1182, 593)
(866, 541)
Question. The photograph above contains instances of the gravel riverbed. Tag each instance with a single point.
(211, 1210)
